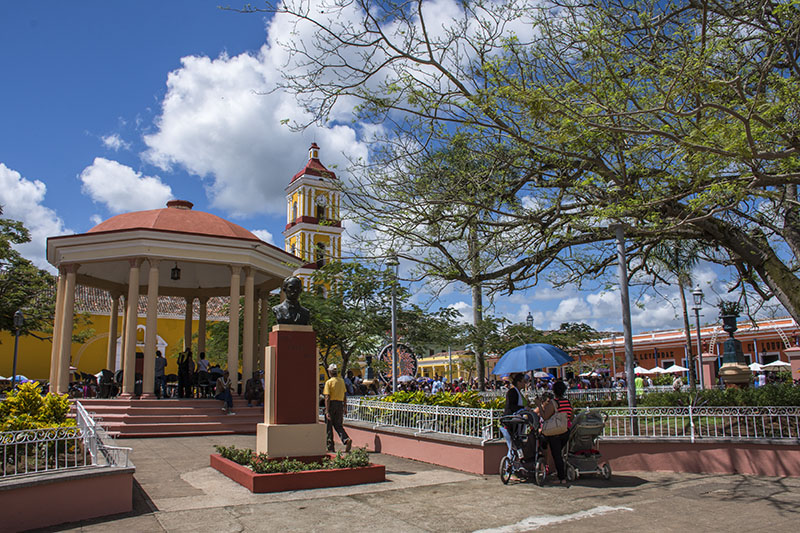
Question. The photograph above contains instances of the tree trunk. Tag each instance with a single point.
(477, 319)
(687, 332)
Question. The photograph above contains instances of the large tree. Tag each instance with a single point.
(351, 313)
(676, 118)
(23, 286)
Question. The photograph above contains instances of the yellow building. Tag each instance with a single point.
(33, 359)
(313, 225)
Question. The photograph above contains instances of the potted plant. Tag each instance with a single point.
(729, 312)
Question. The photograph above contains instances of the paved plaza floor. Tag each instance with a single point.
(176, 490)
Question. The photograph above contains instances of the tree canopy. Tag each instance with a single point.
(675, 118)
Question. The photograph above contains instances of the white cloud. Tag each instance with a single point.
(96, 219)
(221, 120)
(22, 200)
(122, 189)
(264, 235)
(466, 311)
(115, 142)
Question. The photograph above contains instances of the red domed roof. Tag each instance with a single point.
(177, 217)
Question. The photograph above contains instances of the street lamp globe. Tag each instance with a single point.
(529, 320)
(19, 319)
(697, 294)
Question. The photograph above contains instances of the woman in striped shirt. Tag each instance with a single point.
(556, 442)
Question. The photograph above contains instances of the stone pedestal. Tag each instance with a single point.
(291, 407)
(793, 354)
(709, 370)
(735, 375)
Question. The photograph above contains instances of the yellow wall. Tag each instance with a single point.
(33, 359)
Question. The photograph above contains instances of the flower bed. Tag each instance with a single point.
(262, 474)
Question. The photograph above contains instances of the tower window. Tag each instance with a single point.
(320, 212)
(294, 210)
(320, 256)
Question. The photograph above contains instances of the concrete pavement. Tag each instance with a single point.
(177, 491)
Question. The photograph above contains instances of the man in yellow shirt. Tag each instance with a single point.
(335, 408)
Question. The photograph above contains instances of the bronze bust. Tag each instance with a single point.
(290, 311)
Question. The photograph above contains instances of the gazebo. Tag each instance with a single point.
(189, 254)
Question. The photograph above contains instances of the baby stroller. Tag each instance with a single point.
(581, 454)
(528, 460)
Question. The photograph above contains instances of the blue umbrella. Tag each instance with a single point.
(531, 357)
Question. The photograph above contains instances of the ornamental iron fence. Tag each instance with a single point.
(34, 451)
(674, 423)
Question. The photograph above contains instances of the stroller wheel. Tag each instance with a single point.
(572, 474)
(505, 470)
(540, 472)
(605, 471)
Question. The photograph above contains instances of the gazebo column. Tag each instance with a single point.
(187, 325)
(151, 330)
(65, 335)
(233, 328)
(263, 334)
(247, 340)
(255, 338)
(111, 355)
(57, 326)
(129, 357)
(201, 325)
(123, 301)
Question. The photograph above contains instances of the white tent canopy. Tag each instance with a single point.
(776, 365)
(675, 369)
(656, 370)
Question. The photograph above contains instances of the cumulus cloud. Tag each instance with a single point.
(221, 120)
(95, 219)
(264, 235)
(122, 189)
(115, 142)
(465, 309)
(22, 199)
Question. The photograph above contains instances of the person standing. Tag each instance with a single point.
(185, 371)
(202, 363)
(161, 378)
(254, 390)
(335, 408)
(560, 404)
(515, 400)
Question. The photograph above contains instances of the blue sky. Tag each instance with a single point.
(110, 107)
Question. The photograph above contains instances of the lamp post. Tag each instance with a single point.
(391, 260)
(19, 320)
(697, 295)
(529, 320)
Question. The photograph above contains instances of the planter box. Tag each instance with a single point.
(309, 479)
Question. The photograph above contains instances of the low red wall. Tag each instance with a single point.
(700, 457)
(65, 497)
(766, 459)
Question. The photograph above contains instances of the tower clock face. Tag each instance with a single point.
(322, 201)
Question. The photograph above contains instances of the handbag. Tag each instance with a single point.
(556, 424)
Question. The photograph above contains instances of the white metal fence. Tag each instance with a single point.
(35, 451)
(459, 421)
(586, 395)
(678, 423)
(692, 423)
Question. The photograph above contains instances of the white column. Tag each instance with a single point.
(201, 325)
(113, 319)
(233, 327)
(187, 324)
(122, 336)
(55, 353)
(263, 336)
(65, 354)
(129, 357)
(247, 334)
(151, 325)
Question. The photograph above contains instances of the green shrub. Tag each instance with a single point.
(776, 394)
(445, 399)
(25, 408)
(261, 464)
